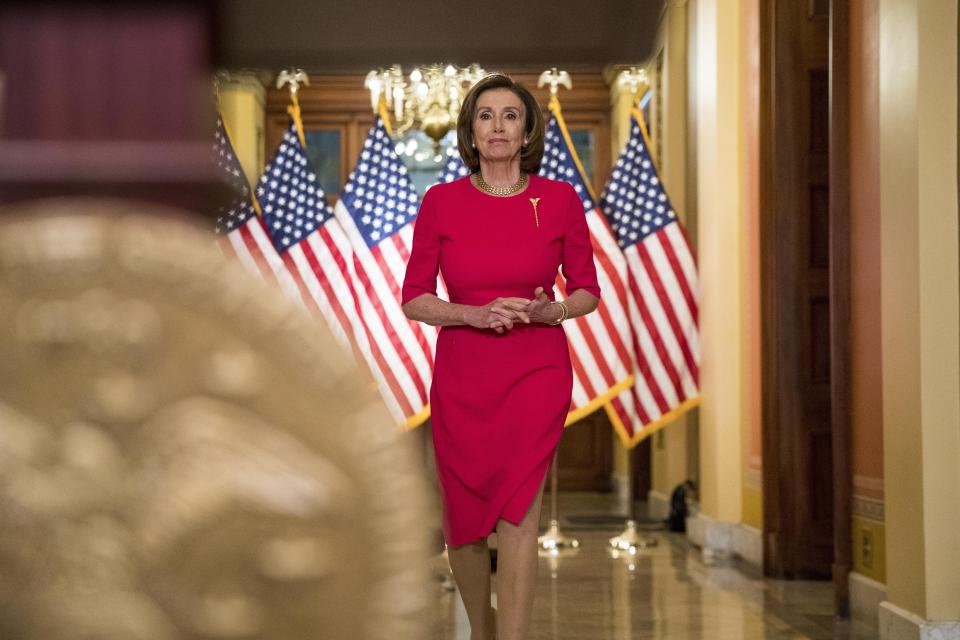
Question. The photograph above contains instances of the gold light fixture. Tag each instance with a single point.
(428, 99)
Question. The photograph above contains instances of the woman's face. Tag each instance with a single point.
(498, 125)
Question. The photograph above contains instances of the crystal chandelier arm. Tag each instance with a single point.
(374, 83)
(429, 100)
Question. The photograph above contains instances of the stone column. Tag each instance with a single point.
(720, 233)
(920, 309)
(242, 104)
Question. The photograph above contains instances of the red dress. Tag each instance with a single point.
(498, 401)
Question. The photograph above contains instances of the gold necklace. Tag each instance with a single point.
(500, 191)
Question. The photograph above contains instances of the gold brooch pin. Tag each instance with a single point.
(536, 218)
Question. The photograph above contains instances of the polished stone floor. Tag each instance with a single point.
(663, 592)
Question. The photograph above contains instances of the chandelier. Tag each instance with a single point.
(429, 101)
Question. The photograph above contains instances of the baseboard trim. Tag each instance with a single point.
(719, 541)
(748, 545)
(621, 489)
(897, 623)
(658, 505)
(866, 594)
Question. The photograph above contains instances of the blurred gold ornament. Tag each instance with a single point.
(185, 455)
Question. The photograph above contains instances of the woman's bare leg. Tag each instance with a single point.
(517, 571)
(471, 569)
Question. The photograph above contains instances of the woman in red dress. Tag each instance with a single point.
(502, 378)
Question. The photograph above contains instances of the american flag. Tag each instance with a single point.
(662, 278)
(454, 168)
(376, 210)
(601, 343)
(309, 240)
(242, 234)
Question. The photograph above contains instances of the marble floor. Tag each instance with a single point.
(666, 591)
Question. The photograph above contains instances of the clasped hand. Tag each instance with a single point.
(501, 314)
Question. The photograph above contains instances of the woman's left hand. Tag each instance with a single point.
(541, 309)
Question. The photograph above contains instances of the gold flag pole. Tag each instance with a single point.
(293, 78)
(630, 540)
(553, 540)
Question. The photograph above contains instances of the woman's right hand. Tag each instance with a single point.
(499, 314)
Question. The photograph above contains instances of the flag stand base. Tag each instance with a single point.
(554, 539)
(630, 539)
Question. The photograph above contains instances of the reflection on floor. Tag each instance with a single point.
(664, 592)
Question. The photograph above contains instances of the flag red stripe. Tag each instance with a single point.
(375, 352)
(402, 248)
(613, 335)
(678, 273)
(609, 268)
(642, 364)
(686, 241)
(581, 374)
(668, 310)
(578, 369)
(624, 416)
(394, 286)
(247, 236)
(638, 403)
(604, 311)
(301, 285)
(324, 281)
(684, 284)
(591, 341)
(595, 351)
(642, 414)
(395, 340)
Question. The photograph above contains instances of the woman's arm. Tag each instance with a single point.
(497, 314)
(580, 303)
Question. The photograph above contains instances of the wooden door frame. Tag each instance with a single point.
(840, 303)
(776, 387)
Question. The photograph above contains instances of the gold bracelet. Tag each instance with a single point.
(564, 311)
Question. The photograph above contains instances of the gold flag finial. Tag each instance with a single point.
(555, 78)
(635, 80)
(293, 78)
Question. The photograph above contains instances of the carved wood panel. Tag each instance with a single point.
(795, 242)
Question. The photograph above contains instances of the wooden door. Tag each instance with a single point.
(796, 307)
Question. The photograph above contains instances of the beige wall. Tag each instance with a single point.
(669, 451)
(621, 101)
(720, 229)
(869, 553)
(920, 304)
(867, 409)
(753, 445)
